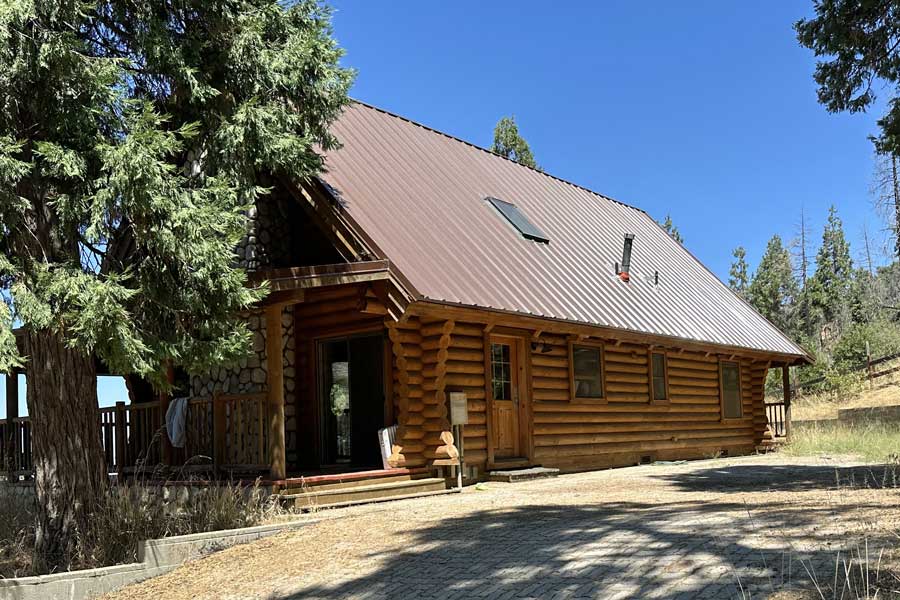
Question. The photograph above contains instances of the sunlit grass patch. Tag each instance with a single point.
(875, 442)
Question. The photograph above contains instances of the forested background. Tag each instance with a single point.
(831, 296)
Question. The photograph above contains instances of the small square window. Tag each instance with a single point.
(730, 374)
(586, 370)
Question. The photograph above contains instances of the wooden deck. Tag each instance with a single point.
(226, 435)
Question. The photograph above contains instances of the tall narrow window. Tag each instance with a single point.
(586, 372)
(730, 374)
(659, 383)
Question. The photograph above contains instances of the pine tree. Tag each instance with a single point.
(510, 144)
(773, 290)
(672, 230)
(863, 298)
(133, 139)
(829, 287)
(738, 279)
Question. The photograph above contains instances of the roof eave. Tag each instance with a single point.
(616, 332)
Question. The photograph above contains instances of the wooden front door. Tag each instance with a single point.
(505, 373)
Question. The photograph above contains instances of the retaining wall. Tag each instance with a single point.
(155, 557)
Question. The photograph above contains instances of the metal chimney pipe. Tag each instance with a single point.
(626, 255)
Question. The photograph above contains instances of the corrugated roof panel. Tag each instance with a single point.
(420, 195)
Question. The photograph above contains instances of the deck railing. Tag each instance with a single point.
(776, 415)
(15, 458)
(228, 430)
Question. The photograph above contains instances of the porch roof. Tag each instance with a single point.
(288, 285)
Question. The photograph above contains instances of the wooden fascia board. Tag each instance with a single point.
(327, 280)
(325, 195)
(320, 206)
(560, 326)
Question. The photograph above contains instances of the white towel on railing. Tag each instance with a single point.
(176, 417)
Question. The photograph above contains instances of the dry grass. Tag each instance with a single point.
(133, 513)
(825, 406)
(129, 514)
(16, 533)
(874, 442)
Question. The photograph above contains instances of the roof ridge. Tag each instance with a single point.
(492, 153)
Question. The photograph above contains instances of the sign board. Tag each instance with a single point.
(459, 408)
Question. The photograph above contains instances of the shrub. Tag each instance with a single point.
(850, 351)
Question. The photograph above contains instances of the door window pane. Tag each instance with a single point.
(501, 371)
(587, 370)
(731, 391)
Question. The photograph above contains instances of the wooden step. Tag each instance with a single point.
(323, 498)
(304, 488)
(514, 475)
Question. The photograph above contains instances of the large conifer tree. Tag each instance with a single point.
(828, 290)
(774, 289)
(132, 139)
(856, 42)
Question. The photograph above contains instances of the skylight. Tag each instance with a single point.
(518, 220)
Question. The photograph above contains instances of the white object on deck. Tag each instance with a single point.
(386, 438)
(176, 416)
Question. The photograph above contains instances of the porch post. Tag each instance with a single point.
(164, 400)
(275, 376)
(12, 412)
(786, 384)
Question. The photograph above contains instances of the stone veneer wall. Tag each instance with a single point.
(249, 376)
(269, 242)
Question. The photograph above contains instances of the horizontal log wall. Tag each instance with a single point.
(434, 355)
(625, 429)
(629, 428)
(465, 373)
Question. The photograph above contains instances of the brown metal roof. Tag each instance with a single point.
(419, 195)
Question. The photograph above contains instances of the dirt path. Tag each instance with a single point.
(705, 529)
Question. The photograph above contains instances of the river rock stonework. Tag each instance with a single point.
(249, 375)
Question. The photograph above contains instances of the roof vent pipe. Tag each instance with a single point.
(623, 272)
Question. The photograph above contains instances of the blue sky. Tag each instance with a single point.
(705, 110)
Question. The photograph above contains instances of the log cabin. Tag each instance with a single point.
(573, 329)
(579, 332)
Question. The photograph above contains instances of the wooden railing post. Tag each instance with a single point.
(121, 439)
(164, 399)
(786, 384)
(12, 428)
(275, 387)
(218, 408)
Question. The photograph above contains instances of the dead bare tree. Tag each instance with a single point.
(800, 250)
(886, 191)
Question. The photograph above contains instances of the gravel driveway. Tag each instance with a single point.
(746, 527)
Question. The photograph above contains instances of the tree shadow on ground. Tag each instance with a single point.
(618, 550)
(787, 478)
